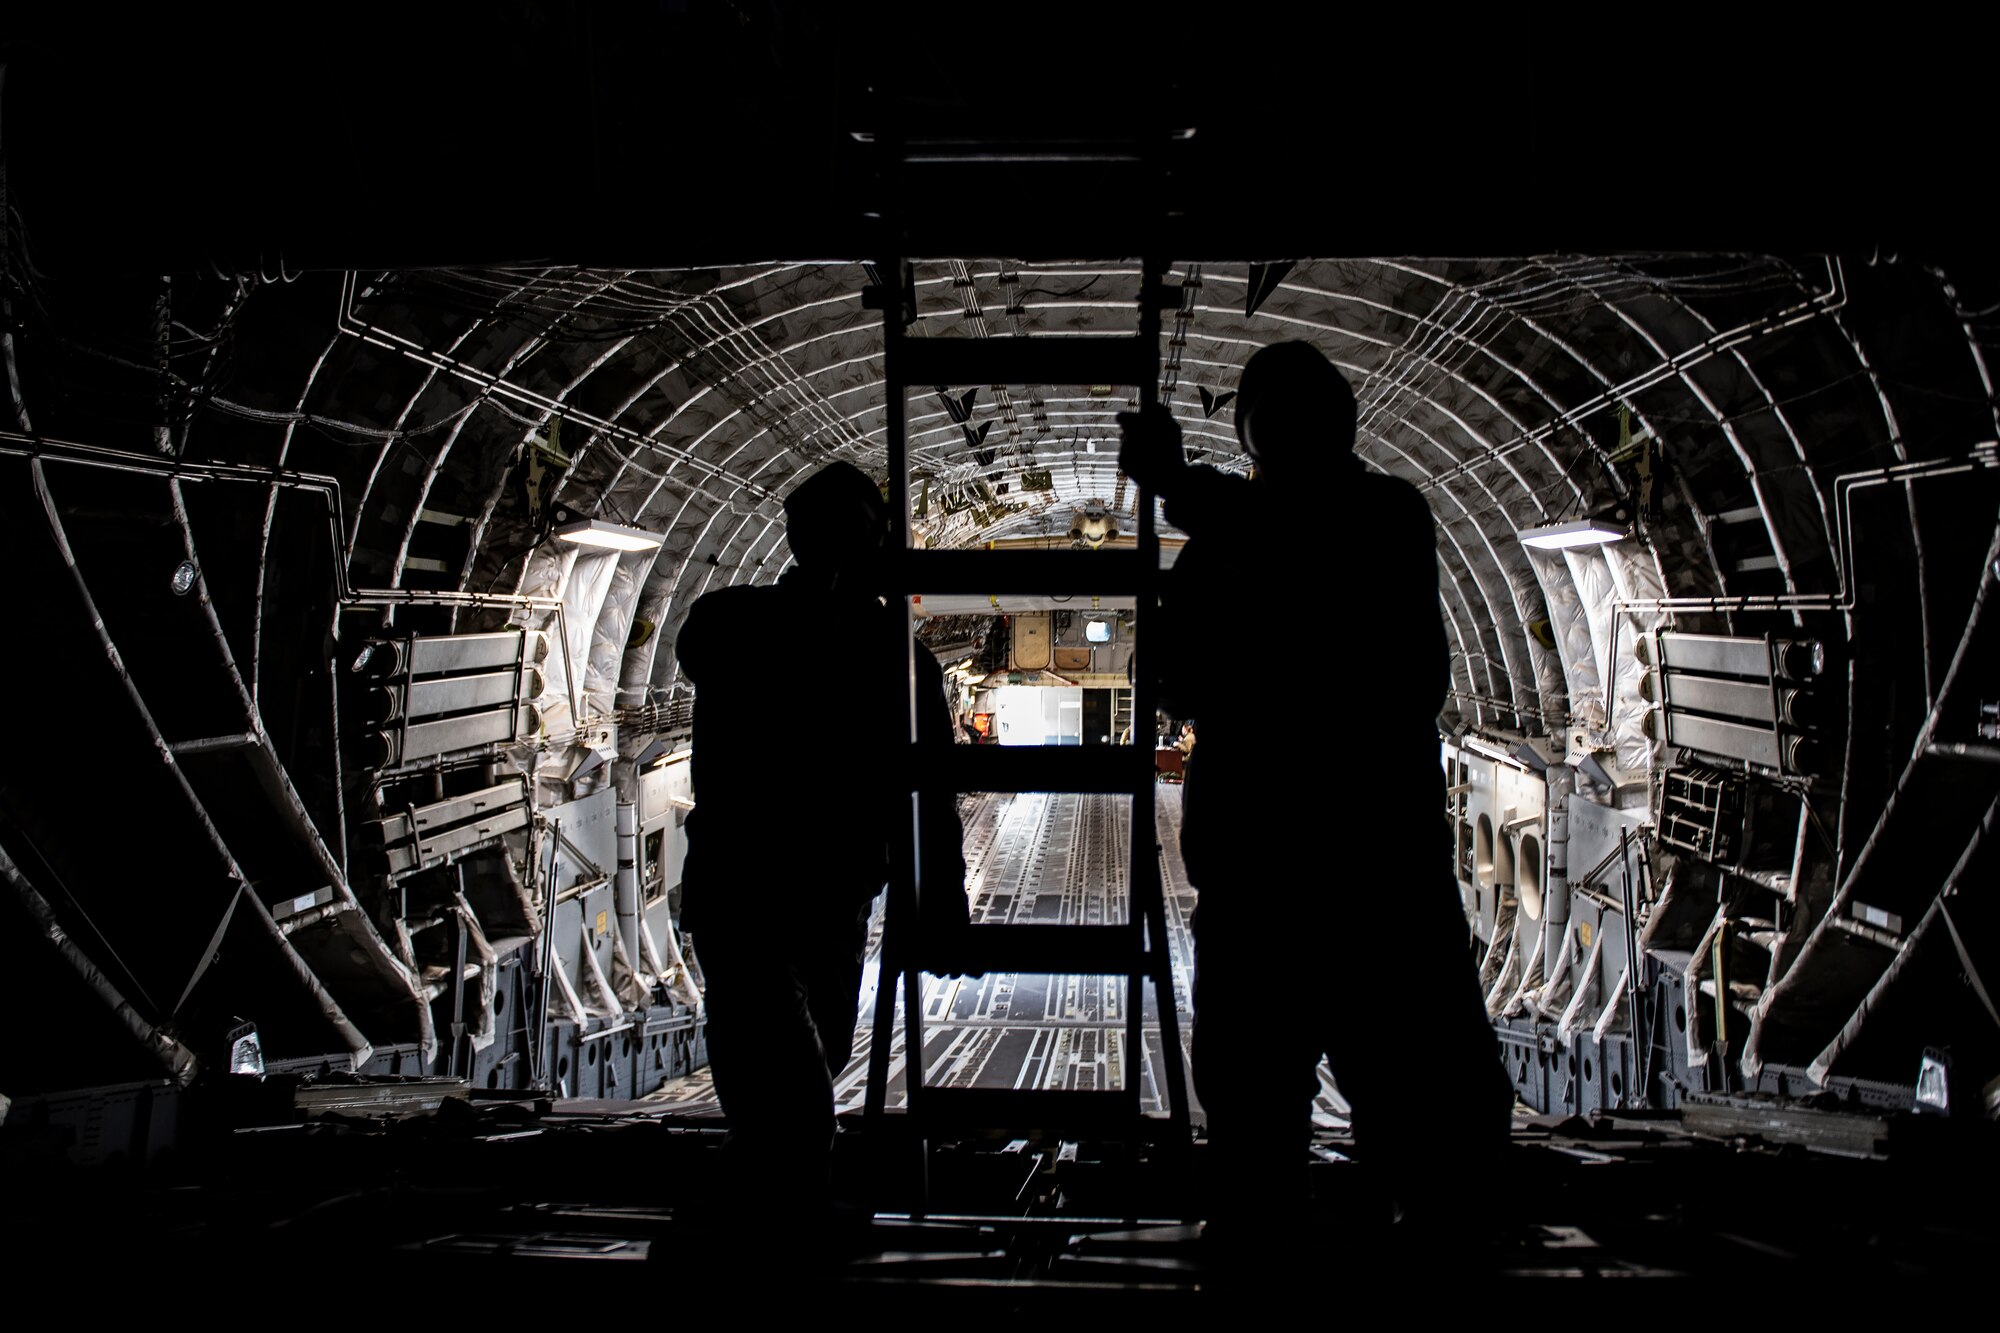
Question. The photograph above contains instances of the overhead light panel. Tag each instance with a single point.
(608, 536)
(246, 1049)
(1576, 532)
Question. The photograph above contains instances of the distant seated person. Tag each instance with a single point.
(1186, 742)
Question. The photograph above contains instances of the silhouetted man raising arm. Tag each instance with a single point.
(1329, 920)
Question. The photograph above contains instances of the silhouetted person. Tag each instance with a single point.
(788, 842)
(1329, 919)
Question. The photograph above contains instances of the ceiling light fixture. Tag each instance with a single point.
(1575, 532)
(609, 536)
(182, 582)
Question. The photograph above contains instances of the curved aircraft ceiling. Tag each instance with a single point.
(1719, 397)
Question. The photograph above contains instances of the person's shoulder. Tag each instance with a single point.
(1205, 495)
(720, 614)
(1395, 499)
(737, 599)
(1212, 482)
(1387, 488)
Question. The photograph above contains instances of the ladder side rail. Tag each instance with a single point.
(906, 854)
(897, 958)
(905, 908)
(1141, 836)
(1148, 896)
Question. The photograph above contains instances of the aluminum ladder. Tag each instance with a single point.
(1136, 949)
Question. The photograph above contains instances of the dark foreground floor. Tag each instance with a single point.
(494, 1209)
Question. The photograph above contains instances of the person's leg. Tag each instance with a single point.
(1253, 1071)
(1432, 1103)
(831, 970)
(769, 1070)
(833, 989)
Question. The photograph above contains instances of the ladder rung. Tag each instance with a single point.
(1111, 769)
(1014, 145)
(1057, 1110)
(1054, 359)
(1051, 949)
(991, 573)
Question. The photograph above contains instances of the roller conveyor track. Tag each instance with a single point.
(1045, 859)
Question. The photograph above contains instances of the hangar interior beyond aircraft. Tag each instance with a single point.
(359, 468)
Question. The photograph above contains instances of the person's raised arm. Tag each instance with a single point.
(1150, 451)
